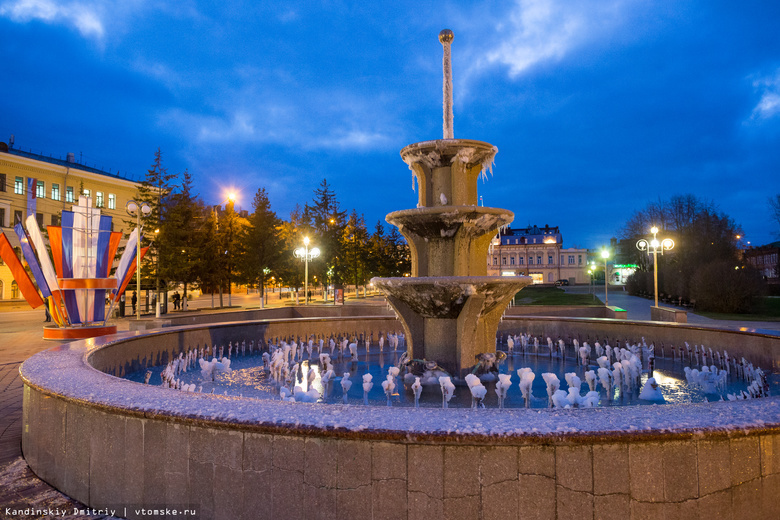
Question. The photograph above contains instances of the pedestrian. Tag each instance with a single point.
(46, 310)
(134, 300)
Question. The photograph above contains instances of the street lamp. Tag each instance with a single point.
(652, 247)
(306, 254)
(134, 209)
(605, 255)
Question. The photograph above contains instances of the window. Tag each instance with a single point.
(2, 182)
(39, 218)
(86, 193)
(14, 290)
(111, 201)
(495, 260)
(538, 260)
(17, 216)
(69, 194)
(534, 240)
(40, 190)
(55, 192)
(571, 259)
(549, 260)
(520, 260)
(561, 260)
(19, 186)
(98, 199)
(55, 220)
(530, 260)
(503, 260)
(549, 277)
(579, 259)
(511, 260)
(2, 217)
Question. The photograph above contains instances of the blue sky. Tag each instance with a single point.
(596, 107)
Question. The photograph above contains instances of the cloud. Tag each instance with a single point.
(539, 31)
(86, 18)
(258, 110)
(769, 104)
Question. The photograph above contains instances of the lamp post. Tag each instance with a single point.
(605, 255)
(306, 254)
(652, 247)
(134, 209)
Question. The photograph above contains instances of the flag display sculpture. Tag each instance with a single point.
(73, 280)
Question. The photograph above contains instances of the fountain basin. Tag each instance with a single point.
(106, 442)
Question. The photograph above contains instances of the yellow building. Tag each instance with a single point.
(56, 185)
(538, 253)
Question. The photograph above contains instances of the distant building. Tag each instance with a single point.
(36, 184)
(537, 252)
(766, 260)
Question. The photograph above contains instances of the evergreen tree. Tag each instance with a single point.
(211, 267)
(232, 230)
(262, 246)
(154, 190)
(354, 245)
(327, 221)
(290, 270)
(182, 234)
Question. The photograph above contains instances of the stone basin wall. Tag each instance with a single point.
(109, 442)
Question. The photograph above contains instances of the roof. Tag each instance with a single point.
(66, 163)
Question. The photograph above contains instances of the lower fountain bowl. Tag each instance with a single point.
(444, 296)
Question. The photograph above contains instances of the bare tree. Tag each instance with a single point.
(774, 206)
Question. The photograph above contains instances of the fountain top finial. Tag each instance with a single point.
(446, 36)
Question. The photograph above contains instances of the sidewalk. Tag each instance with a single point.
(639, 309)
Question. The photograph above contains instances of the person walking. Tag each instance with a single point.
(134, 300)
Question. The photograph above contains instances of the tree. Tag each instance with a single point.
(182, 235)
(262, 247)
(325, 218)
(212, 265)
(154, 190)
(774, 207)
(291, 232)
(702, 235)
(232, 230)
(351, 264)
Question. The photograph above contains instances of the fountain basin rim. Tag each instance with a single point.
(450, 280)
(449, 211)
(64, 372)
(446, 143)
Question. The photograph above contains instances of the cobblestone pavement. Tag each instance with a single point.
(20, 490)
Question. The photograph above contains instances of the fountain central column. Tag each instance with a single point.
(449, 308)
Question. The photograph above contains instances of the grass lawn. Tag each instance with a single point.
(532, 295)
(767, 310)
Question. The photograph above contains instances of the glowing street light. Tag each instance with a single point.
(306, 254)
(653, 247)
(605, 255)
(135, 209)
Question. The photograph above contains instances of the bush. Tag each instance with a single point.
(719, 287)
(639, 282)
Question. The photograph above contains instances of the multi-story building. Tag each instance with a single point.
(538, 253)
(766, 259)
(44, 186)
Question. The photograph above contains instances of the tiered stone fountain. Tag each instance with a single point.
(449, 307)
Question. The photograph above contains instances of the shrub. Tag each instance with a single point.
(719, 287)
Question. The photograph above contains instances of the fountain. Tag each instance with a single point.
(113, 443)
(449, 308)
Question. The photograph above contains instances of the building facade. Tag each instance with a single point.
(766, 259)
(537, 252)
(44, 186)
